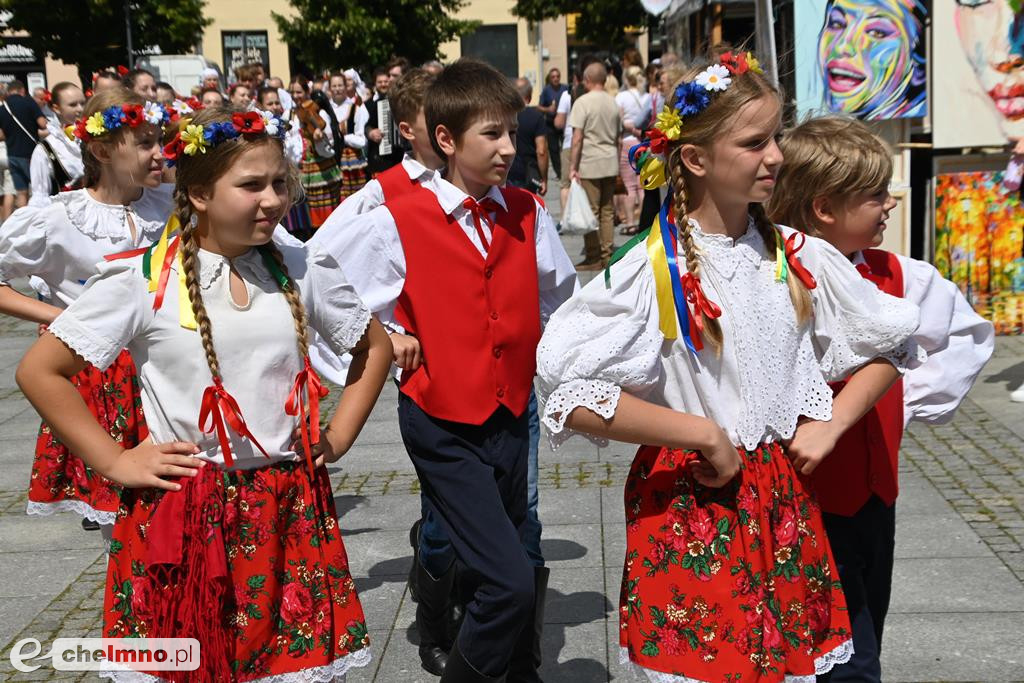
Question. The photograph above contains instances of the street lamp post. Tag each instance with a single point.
(128, 32)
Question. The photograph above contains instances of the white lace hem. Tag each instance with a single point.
(97, 351)
(334, 671)
(345, 336)
(79, 507)
(822, 665)
(598, 396)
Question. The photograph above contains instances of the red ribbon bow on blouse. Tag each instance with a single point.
(794, 263)
(700, 305)
(218, 407)
(481, 211)
(307, 380)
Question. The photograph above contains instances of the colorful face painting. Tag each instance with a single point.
(992, 35)
(979, 237)
(871, 57)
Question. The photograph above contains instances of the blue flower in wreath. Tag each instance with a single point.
(692, 98)
(216, 133)
(112, 118)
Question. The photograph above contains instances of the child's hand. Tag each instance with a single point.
(718, 463)
(408, 355)
(151, 465)
(323, 452)
(811, 443)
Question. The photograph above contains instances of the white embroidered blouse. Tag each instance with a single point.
(770, 371)
(62, 243)
(256, 343)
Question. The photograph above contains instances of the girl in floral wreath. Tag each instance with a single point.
(121, 206)
(709, 340)
(227, 530)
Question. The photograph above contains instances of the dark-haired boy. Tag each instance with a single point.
(470, 276)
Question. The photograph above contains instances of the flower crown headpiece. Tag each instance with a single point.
(180, 108)
(192, 138)
(118, 116)
(647, 158)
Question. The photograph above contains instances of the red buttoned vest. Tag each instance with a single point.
(866, 459)
(477, 319)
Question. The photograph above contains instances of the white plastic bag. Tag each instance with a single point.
(577, 218)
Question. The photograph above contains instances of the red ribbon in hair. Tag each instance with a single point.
(165, 272)
(794, 263)
(217, 407)
(700, 305)
(307, 380)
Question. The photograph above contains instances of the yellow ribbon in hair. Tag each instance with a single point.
(186, 318)
(667, 322)
(652, 175)
(159, 253)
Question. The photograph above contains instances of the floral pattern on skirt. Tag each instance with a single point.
(61, 481)
(290, 607)
(729, 584)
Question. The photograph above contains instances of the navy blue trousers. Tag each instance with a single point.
(474, 479)
(863, 546)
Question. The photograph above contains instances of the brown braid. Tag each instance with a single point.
(712, 330)
(190, 261)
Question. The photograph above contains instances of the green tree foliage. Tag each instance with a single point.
(91, 33)
(331, 33)
(601, 23)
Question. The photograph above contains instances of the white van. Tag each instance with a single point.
(183, 72)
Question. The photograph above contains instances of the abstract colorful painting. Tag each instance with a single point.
(863, 58)
(979, 242)
(978, 72)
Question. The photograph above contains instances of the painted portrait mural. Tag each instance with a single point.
(979, 87)
(863, 58)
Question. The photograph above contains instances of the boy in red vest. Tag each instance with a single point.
(856, 485)
(469, 272)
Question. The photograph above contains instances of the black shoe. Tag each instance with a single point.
(461, 671)
(414, 541)
(90, 525)
(526, 656)
(432, 618)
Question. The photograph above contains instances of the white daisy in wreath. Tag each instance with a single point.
(714, 78)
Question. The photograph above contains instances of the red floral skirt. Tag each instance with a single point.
(729, 584)
(248, 562)
(61, 481)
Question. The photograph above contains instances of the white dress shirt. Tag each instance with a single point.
(370, 252)
(957, 340)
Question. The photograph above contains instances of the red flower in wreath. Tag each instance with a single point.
(131, 114)
(173, 149)
(735, 63)
(195, 103)
(122, 70)
(249, 123)
(80, 132)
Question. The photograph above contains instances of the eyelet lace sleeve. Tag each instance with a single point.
(855, 322)
(600, 342)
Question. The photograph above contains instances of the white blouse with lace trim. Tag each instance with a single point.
(255, 340)
(62, 243)
(770, 372)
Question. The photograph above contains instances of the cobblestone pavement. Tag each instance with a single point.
(958, 602)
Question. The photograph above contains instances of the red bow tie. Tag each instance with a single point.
(481, 211)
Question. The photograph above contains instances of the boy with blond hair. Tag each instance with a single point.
(834, 184)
